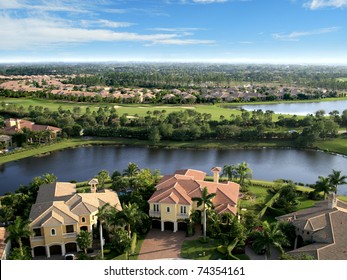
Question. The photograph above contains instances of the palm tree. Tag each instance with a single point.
(206, 201)
(103, 213)
(270, 236)
(229, 171)
(18, 230)
(324, 185)
(84, 240)
(102, 176)
(132, 170)
(336, 179)
(243, 172)
(130, 216)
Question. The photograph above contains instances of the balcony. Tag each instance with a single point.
(182, 216)
(36, 238)
(154, 214)
(70, 235)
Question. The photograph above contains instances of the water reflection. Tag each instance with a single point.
(85, 162)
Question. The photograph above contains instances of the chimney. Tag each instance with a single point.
(332, 201)
(216, 171)
(93, 183)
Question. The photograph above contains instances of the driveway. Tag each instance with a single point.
(162, 245)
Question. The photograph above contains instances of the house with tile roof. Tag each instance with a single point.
(171, 204)
(60, 213)
(4, 246)
(13, 126)
(321, 230)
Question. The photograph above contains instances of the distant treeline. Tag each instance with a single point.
(188, 75)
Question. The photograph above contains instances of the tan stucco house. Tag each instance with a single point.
(171, 204)
(60, 213)
(321, 231)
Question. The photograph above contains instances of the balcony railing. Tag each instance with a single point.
(182, 216)
(36, 238)
(70, 235)
(155, 214)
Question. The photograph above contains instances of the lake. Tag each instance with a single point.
(300, 109)
(83, 163)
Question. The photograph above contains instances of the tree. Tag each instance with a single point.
(269, 236)
(154, 135)
(243, 172)
(102, 176)
(132, 170)
(103, 213)
(324, 185)
(130, 216)
(18, 230)
(84, 240)
(206, 202)
(336, 179)
(229, 171)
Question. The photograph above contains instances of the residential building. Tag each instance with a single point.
(4, 246)
(60, 213)
(171, 204)
(321, 230)
(13, 126)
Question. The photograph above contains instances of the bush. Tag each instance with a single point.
(203, 240)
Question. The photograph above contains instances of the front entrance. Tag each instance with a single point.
(55, 250)
(39, 251)
(169, 226)
(71, 247)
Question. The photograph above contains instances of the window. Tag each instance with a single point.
(83, 219)
(183, 210)
(69, 229)
(156, 207)
(168, 209)
(53, 233)
(37, 231)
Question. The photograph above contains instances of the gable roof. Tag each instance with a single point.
(58, 204)
(183, 185)
(328, 226)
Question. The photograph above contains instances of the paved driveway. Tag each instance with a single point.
(162, 245)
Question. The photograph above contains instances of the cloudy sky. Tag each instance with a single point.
(226, 31)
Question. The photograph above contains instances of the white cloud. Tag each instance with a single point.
(317, 4)
(295, 36)
(30, 33)
(105, 23)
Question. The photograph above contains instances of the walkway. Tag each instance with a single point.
(163, 244)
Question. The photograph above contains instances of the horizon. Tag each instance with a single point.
(286, 32)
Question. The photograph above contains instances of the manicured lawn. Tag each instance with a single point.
(337, 145)
(113, 256)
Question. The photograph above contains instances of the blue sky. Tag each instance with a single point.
(223, 31)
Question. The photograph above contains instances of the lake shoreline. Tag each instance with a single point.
(197, 145)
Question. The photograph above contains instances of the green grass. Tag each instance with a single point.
(113, 256)
(337, 145)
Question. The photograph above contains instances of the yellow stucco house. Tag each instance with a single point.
(171, 204)
(60, 213)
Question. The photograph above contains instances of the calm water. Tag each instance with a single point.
(85, 162)
(301, 108)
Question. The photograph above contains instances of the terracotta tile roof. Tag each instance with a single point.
(182, 186)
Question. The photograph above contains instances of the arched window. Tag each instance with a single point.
(83, 219)
(53, 232)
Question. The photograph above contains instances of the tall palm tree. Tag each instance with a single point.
(18, 230)
(132, 170)
(102, 176)
(103, 214)
(130, 216)
(336, 179)
(269, 237)
(324, 185)
(206, 201)
(229, 171)
(243, 172)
